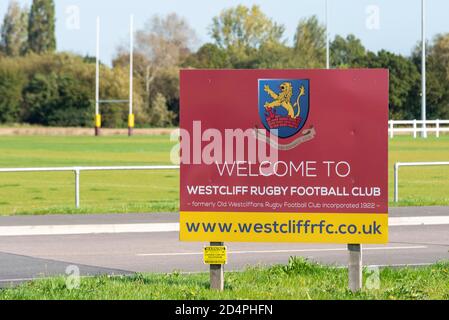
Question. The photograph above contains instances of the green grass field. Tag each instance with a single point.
(140, 191)
(299, 280)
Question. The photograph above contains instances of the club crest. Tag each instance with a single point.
(284, 106)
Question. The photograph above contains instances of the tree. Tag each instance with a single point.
(241, 31)
(115, 83)
(404, 82)
(161, 48)
(160, 116)
(41, 27)
(40, 96)
(14, 31)
(11, 85)
(275, 56)
(346, 52)
(209, 56)
(57, 89)
(73, 107)
(310, 44)
(437, 76)
(164, 43)
(244, 27)
(58, 100)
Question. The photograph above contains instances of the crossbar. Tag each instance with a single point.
(113, 101)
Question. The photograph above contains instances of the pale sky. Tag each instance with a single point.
(394, 25)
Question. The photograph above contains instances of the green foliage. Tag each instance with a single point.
(308, 282)
(208, 56)
(437, 76)
(346, 52)
(114, 85)
(161, 48)
(274, 56)
(14, 31)
(57, 100)
(160, 116)
(308, 50)
(404, 82)
(40, 96)
(11, 84)
(166, 83)
(57, 89)
(54, 89)
(310, 44)
(301, 266)
(41, 27)
(242, 30)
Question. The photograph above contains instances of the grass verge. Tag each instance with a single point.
(298, 280)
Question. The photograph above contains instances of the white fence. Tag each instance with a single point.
(416, 127)
(410, 164)
(77, 172)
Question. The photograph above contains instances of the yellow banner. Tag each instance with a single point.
(353, 228)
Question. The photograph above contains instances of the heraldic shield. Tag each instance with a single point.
(284, 105)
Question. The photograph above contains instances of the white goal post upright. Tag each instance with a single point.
(98, 101)
(131, 70)
(423, 69)
(355, 262)
(97, 82)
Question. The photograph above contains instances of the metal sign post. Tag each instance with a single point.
(355, 267)
(217, 272)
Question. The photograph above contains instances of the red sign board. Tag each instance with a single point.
(269, 155)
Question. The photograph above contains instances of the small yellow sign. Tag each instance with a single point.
(215, 255)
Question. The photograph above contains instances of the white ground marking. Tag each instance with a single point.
(418, 221)
(278, 251)
(48, 230)
(87, 229)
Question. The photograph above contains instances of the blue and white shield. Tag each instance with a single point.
(284, 105)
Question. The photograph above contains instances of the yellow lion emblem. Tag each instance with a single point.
(283, 99)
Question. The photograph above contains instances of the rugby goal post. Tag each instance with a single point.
(99, 101)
